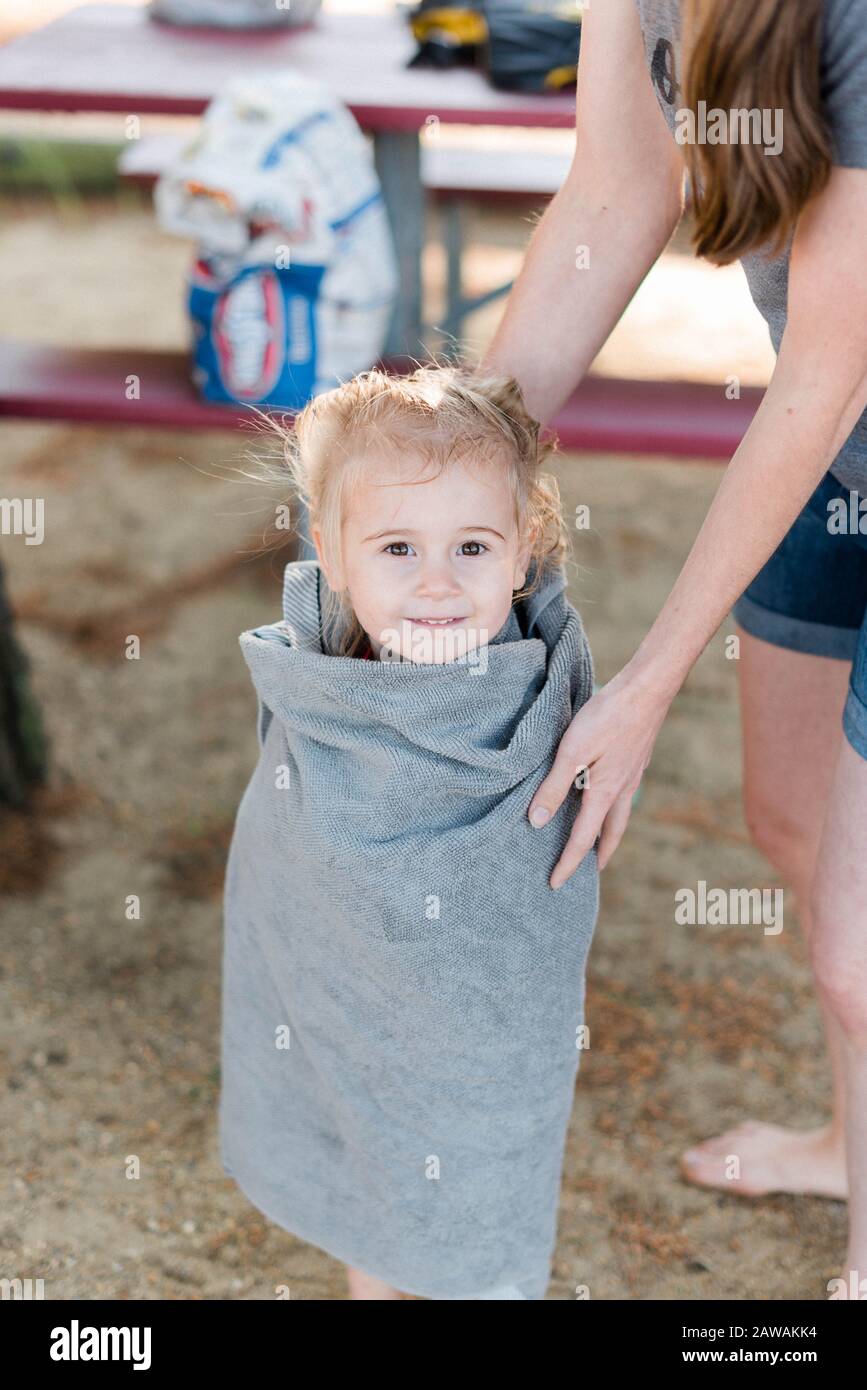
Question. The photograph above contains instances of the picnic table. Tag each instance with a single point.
(113, 58)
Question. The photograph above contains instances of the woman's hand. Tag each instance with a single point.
(610, 741)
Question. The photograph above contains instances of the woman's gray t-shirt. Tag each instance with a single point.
(844, 101)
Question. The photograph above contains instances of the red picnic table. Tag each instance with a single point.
(114, 58)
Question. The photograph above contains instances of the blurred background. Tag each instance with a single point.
(110, 1035)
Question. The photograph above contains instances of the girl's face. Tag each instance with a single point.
(430, 566)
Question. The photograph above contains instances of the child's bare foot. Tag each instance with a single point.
(367, 1286)
(772, 1159)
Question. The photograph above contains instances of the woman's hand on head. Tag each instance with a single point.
(610, 742)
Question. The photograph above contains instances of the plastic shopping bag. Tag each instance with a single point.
(295, 274)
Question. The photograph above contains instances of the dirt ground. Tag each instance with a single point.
(110, 1031)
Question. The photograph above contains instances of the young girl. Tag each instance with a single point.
(403, 989)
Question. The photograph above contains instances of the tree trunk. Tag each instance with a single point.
(23, 744)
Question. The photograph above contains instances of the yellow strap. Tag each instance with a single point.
(464, 26)
(561, 77)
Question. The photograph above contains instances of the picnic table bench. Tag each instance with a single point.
(116, 59)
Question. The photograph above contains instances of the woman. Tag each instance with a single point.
(795, 212)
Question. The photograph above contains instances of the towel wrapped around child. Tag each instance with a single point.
(403, 990)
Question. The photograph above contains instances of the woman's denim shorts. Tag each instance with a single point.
(811, 596)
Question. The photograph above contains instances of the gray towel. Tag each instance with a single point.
(403, 991)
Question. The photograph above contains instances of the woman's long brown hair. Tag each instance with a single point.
(762, 54)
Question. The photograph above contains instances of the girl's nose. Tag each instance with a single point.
(437, 577)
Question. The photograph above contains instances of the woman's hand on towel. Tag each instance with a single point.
(604, 750)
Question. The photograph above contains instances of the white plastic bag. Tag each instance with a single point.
(296, 273)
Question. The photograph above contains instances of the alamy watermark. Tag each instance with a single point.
(23, 516)
(439, 646)
(87, 1343)
(740, 125)
(721, 907)
(855, 1288)
(847, 516)
(21, 1289)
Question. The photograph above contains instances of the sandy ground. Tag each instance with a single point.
(110, 1034)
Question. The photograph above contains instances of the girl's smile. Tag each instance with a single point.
(435, 622)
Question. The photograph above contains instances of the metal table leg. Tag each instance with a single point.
(398, 165)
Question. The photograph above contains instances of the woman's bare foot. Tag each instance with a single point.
(771, 1159)
(367, 1286)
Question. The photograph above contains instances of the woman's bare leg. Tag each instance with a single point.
(791, 707)
(839, 954)
(367, 1286)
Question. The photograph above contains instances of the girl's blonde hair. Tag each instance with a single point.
(440, 413)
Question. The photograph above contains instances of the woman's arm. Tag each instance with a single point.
(818, 391)
(622, 200)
